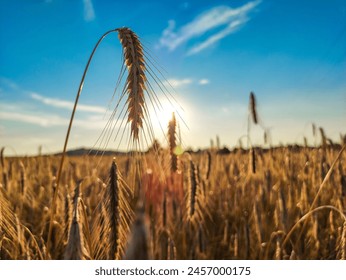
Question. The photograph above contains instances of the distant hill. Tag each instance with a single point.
(224, 151)
(84, 151)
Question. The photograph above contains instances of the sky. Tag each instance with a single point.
(209, 55)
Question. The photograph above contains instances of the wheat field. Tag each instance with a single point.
(212, 207)
(284, 202)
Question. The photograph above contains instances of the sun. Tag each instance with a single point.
(162, 114)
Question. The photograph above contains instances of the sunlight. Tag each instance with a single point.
(161, 116)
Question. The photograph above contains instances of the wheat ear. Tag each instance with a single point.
(75, 249)
(135, 82)
(113, 211)
(2, 164)
(193, 185)
(253, 108)
(172, 143)
(323, 137)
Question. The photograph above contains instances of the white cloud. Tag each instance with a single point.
(9, 84)
(225, 17)
(203, 82)
(49, 120)
(178, 83)
(232, 27)
(89, 13)
(33, 119)
(66, 104)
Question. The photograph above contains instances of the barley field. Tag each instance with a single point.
(285, 202)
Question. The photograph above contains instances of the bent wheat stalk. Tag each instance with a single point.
(309, 214)
(311, 208)
(134, 87)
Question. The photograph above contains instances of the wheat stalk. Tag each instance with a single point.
(343, 242)
(80, 88)
(306, 216)
(138, 248)
(172, 143)
(135, 86)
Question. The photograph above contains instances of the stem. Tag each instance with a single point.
(67, 137)
(317, 196)
(326, 178)
(307, 215)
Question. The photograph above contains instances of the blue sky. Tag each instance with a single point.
(292, 54)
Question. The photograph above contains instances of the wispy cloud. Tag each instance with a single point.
(89, 13)
(203, 82)
(9, 84)
(232, 27)
(50, 120)
(178, 83)
(33, 119)
(225, 17)
(66, 104)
